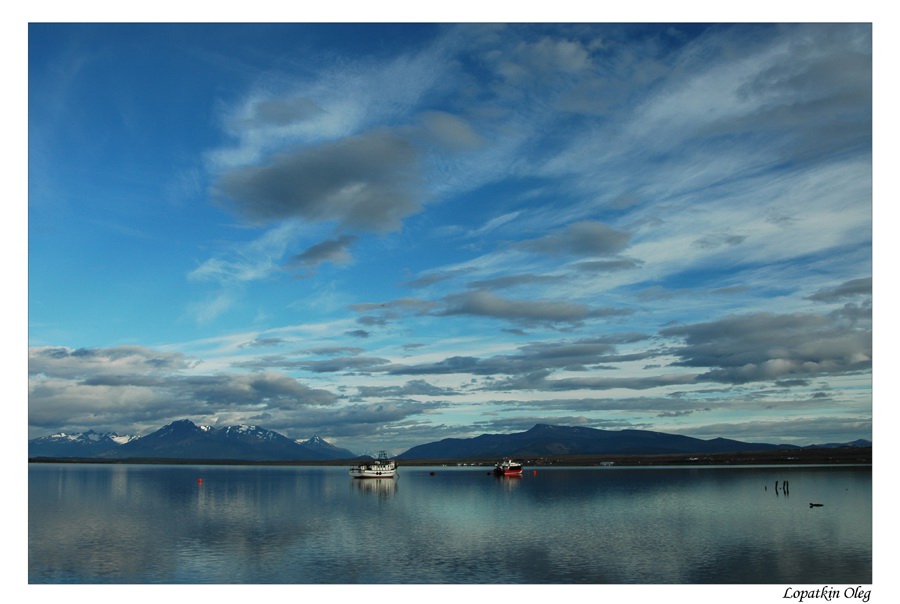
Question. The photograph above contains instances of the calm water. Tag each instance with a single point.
(159, 524)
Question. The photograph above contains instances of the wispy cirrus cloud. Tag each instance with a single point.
(252, 260)
(655, 225)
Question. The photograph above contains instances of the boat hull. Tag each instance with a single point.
(508, 467)
(372, 473)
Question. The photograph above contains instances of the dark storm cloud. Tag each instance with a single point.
(486, 304)
(335, 350)
(821, 97)
(791, 383)
(449, 131)
(368, 420)
(581, 239)
(271, 390)
(282, 112)
(608, 266)
(766, 346)
(657, 404)
(262, 343)
(382, 313)
(411, 388)
(817, 430)
(455, 364)
(714, 241)
(338, 364)
(675, 413)
(521, 424)
(399, 306)
(83, 362)
(577, 355)
(436, 277)
(128, 386)
(538, 381)
(848, 289)
(372, 321)
(855, 313)
(333, 365)
(509, 281)
(358, 333)
(130, 379)
(330, 250)
(369, 182)
(515, 331)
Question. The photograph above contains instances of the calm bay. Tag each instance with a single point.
(183, 524)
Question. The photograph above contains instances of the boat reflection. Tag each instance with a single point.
(379, 486)
(509, 481)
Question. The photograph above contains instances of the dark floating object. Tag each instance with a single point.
(431, 474)
(816, 505)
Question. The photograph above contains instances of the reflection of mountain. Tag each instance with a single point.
(545, 440)
(185, 440)
(158, 523)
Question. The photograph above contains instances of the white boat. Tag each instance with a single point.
(378, 468)
(508, 467)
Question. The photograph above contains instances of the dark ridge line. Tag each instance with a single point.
(835, 456)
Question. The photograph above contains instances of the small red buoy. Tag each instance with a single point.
(199, 481)
(534, 472)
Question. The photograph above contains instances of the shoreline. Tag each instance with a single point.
(837, 456)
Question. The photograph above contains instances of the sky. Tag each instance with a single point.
(389, 234)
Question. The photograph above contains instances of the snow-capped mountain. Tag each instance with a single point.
(325, 448)
(83, 444)
(185, 440)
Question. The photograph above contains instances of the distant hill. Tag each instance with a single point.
(185, 440)
(546, 440)
(860, 443)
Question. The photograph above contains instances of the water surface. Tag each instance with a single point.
(241, 524)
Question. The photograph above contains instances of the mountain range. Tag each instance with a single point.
(85, 444)
(185, 440)
(544, 440)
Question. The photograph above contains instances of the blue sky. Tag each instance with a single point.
(391, 234)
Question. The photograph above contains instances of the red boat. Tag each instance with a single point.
(508, 467)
